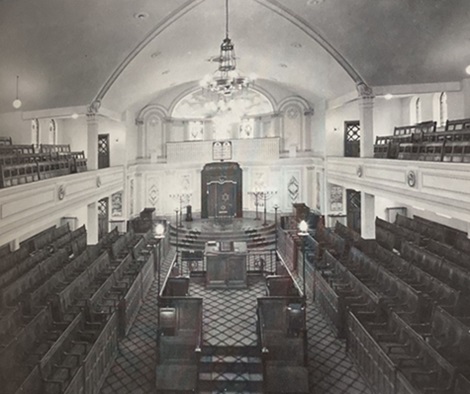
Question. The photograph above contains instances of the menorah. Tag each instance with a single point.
(263, 195)
(183, 198)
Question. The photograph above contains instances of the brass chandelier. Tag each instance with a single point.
(226, 80)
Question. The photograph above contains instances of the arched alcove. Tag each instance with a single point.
(151, 132)
(295, 124)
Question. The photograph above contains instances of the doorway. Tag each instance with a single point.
(353, 209)
(352, 139)
(103, 217)
(103, 151)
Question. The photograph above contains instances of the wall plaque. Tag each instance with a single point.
(222, 150)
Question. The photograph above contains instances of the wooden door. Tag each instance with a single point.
(352, 139)
(103, 217)
(353, 209)
(103, 151)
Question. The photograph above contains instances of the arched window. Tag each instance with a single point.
(52, 131)
(418, 110)
(443, 109)
(35, 132)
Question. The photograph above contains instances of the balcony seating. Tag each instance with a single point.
(20, 164)
(423, 142)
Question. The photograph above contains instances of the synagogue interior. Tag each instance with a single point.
(235, 196)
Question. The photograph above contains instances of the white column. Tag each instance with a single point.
(366, 118)
(92, 224)
(310, 200)
(92, 141)
(166, 134)
(14, 244)
(276, 119)
(466, 97)
(367, 216)
(140, 138)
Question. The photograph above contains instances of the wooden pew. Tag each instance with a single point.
(401, 233)
(66, 294)
(412, 364)
(337, 289)
(13, 352)
(14, 258)
(22, 267)
(450, 337)
(450, 253)
(11, 293)
(55, 354)
(99, 359)
(368, 355)
(447, 272)
(384, 148)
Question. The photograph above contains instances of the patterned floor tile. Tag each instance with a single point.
(330, 369)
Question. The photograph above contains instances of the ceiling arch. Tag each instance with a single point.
(69, 53)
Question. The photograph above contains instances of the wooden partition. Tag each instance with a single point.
(179, 342)
(283, 341)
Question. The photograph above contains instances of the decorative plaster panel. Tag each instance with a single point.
(116, 204)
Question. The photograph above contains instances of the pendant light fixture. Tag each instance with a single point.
(17, 102)
(226, 80)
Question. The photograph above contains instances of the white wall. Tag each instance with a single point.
(455, 105)
(334, 124)
(117, 140)
(318, 131)
(387, 115)
(381, 205)
(12, 125)
(74, 133)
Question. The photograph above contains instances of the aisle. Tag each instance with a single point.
(133, 370)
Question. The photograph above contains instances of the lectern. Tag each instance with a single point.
(226, 265)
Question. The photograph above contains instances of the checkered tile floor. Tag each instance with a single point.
(330, 370)
(229, 315)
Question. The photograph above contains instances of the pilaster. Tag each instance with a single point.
(93, 125)
(367, 215)
(92, 224)
(366, 118)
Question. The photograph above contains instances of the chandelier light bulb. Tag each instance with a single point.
(303, 226)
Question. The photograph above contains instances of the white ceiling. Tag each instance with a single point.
(69, 52)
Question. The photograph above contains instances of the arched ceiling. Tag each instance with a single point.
(69, 52)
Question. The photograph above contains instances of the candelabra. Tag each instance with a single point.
(264, 196)
(183, 198)
(176, 229)
(276, 207)
(256, 196)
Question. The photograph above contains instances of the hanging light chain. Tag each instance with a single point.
(226, 18)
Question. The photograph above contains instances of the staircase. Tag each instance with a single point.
(230, 369)
(195, 239)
